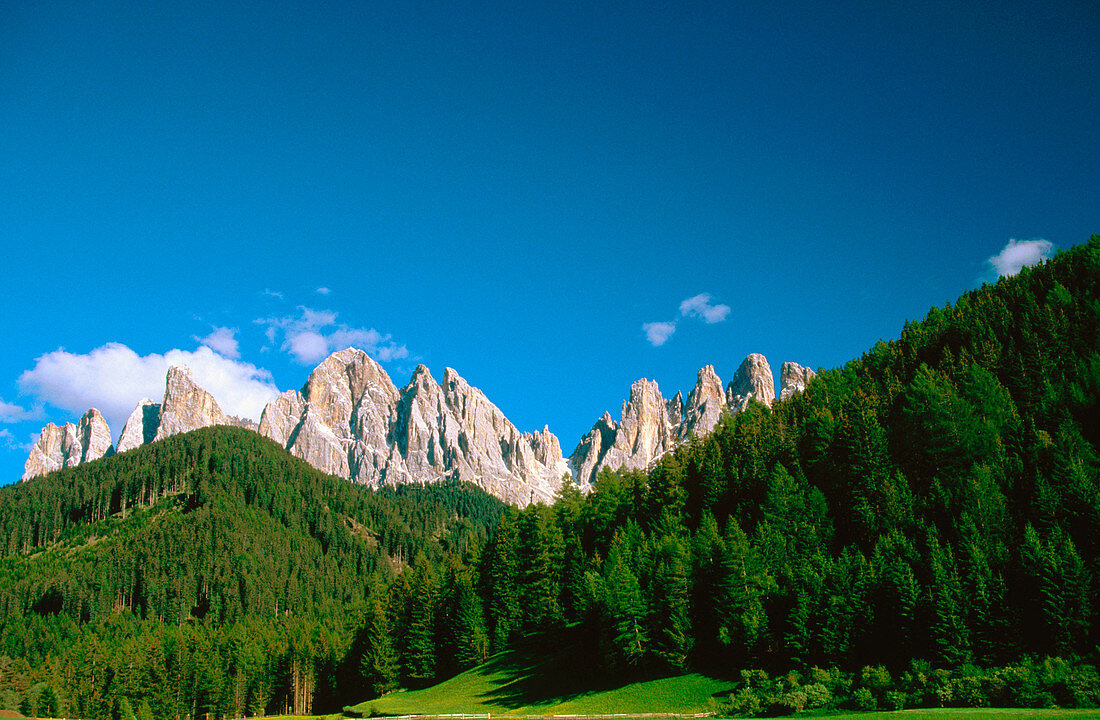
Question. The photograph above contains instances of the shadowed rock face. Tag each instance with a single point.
(141, 426)
(651, 426)
(69, 445)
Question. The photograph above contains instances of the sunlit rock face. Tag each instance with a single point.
(704, 405)
(650, 426)
(752, 381)
(643, 433)
(186, 406)
(69, 445)
(94, 436)
(141, 426)
(351, 420)
(793, 378)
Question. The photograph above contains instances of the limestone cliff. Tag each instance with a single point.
(752, 381)
(642, 434)
(69, 445)
(650, 426)
(186, 406)
(704, 405)
(351, 420)
(141, 426)
(793, 378)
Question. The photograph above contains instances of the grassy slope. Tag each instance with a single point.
(970, 714)
(529, 681)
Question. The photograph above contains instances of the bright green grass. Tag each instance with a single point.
(519, 682)
(542, 681)
(969, 714)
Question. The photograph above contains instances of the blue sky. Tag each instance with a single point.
(524, 192)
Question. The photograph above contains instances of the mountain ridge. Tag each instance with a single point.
(350, 419)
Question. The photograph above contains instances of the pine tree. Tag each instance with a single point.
(623, 634)
(541, 555)
(950, 634)
(670, 611)
(377, 662)
(420, 660)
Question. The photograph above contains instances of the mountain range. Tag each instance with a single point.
(352, 421)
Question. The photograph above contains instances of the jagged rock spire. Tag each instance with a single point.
(69, 445)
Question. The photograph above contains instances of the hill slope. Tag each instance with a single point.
(214, 548)
(933, 504)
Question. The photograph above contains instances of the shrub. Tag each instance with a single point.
(817, 695)
(968, 688)
(792, 702)
(876, 678)
(1083, 686)
(745, 701)
(896, 699)
(863, 699)
(942, 685)
(822, 677)
(755, 679)
(917, 684)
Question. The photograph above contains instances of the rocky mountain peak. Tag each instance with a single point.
(141, 426)
(793, 378)
(640, 437)
(675, 406)
(186, 406)
(752, 381)
(704, 404)
(642, 434)
(94, 436)
(351, 420)
(69, 445)
(343, 382)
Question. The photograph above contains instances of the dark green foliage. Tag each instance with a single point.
(935, 499)
(372, 657)
(212, 573)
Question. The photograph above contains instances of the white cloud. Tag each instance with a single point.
(223, 341)
(701, 307)
(307, 346)
(113, 378)
(314, 334)
(1019, 253)
(8, 440)
(658, 333)
(272, 293)
(323, 291)
(10, 412)
(386, 353)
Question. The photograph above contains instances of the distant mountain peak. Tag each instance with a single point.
(351, 420)
(651, 426)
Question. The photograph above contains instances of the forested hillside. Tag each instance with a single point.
(932, 504)
(209, 572)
